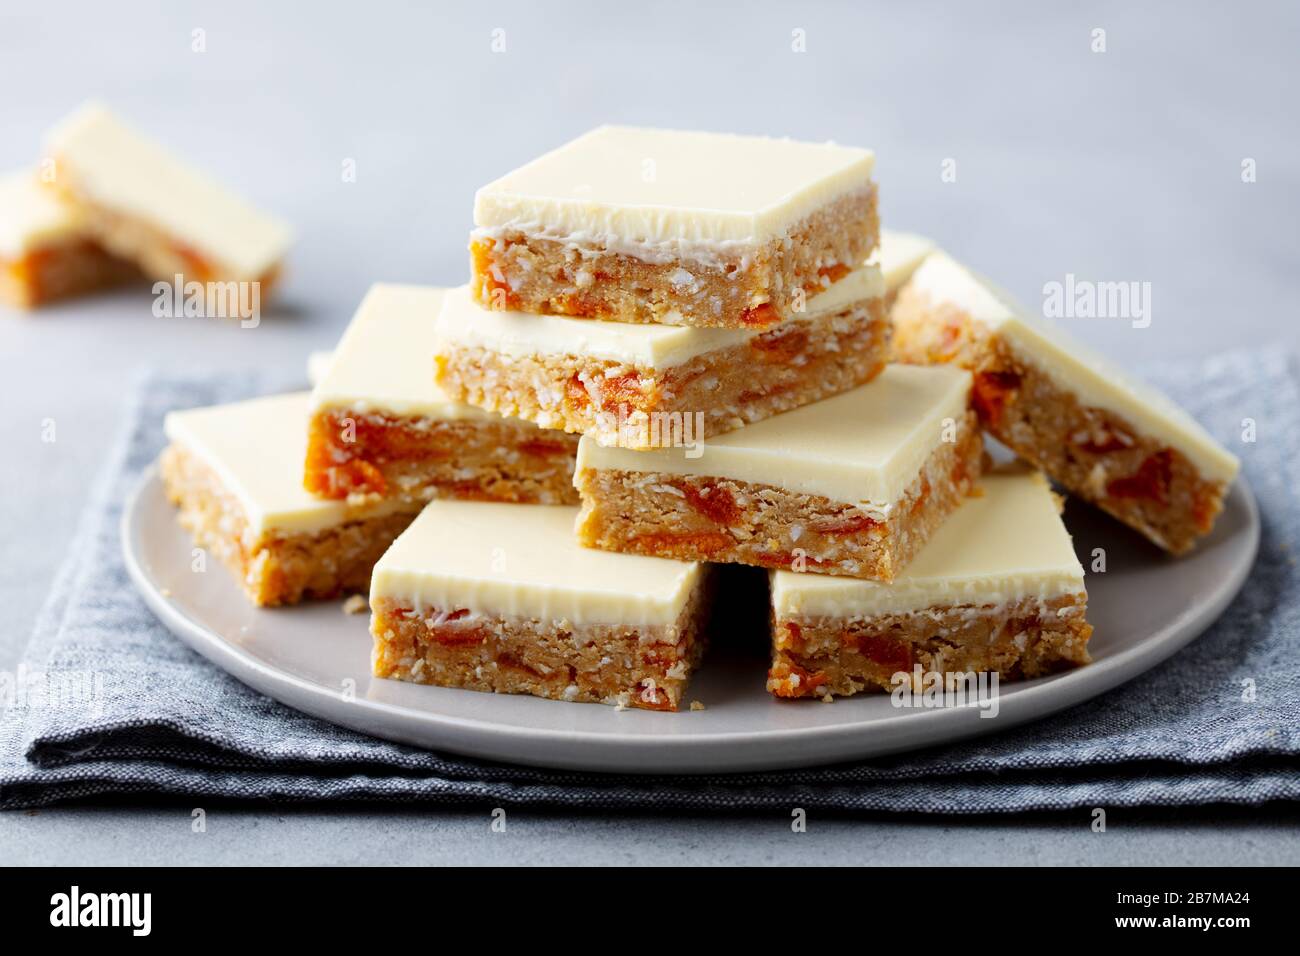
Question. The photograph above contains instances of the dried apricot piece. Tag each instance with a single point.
(677, 542)
(790, 680)
(1151, 481)
(885, 651)
(457, 636)
(834, 273)
(487, 288)
(542, 448)
(760, 315)
(652, 698)
(780, 347)
(356, 476)
(793, 635)
(844, 525)
(713, 501)
(575, 393)
(622, 389)
(992, 392)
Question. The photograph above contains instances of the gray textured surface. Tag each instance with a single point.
(1121, 165)
(242, 836)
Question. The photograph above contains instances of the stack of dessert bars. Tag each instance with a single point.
(675, 351)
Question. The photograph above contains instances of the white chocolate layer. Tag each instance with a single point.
(1094, 379)
(464, 323)
(31, 216)
(1009, 544)
(863, 447)
(522, 561)
(384, 362)
(257, 449)
(318, 363)
(668, 192)
(114, 167)
(899, 255)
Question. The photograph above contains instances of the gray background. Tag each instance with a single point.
(1122, 165)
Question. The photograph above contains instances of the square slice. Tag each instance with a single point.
(1111, 440)
(499, 597)
(637, 385)
(46, 252)
(853, 485)
(997, 590)
(381, 427)
(235, 471)
(674, 228)
(151, 208)
(898, 256)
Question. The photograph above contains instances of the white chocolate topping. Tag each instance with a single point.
(669, 188)
(863, 447)
(1008, 544)
(522, 561)
(1094, 379)
(384, 362)
(318, 363)
(899, 255)
(114, 167)
(257, 449)
(464, 323)
(32, 216)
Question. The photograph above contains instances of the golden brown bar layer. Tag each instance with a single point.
(58, 271)
(813, 657)
(418, 459)
(745, 288)
(623, 405)
(738, 522)
(1094, 453)
(275, 568)
(643, 667)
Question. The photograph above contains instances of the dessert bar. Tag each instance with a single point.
(997, 589)
(1113, 441)
(146, 206)
(46, 252)
(853, 485)
(639, 386)
(499, 597)
(235, 471)
(674, 228)
(380, 426)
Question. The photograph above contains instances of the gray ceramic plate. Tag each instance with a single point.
(316, 658)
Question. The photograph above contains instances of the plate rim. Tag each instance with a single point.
(641, 754)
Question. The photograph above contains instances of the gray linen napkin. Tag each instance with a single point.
(166, 723)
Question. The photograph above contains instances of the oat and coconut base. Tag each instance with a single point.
(997, 590)
(499, 597)
(674, 228)
(235, 473)
(1104, 436)
(637, 385)
(853, 485)
(381, 428)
